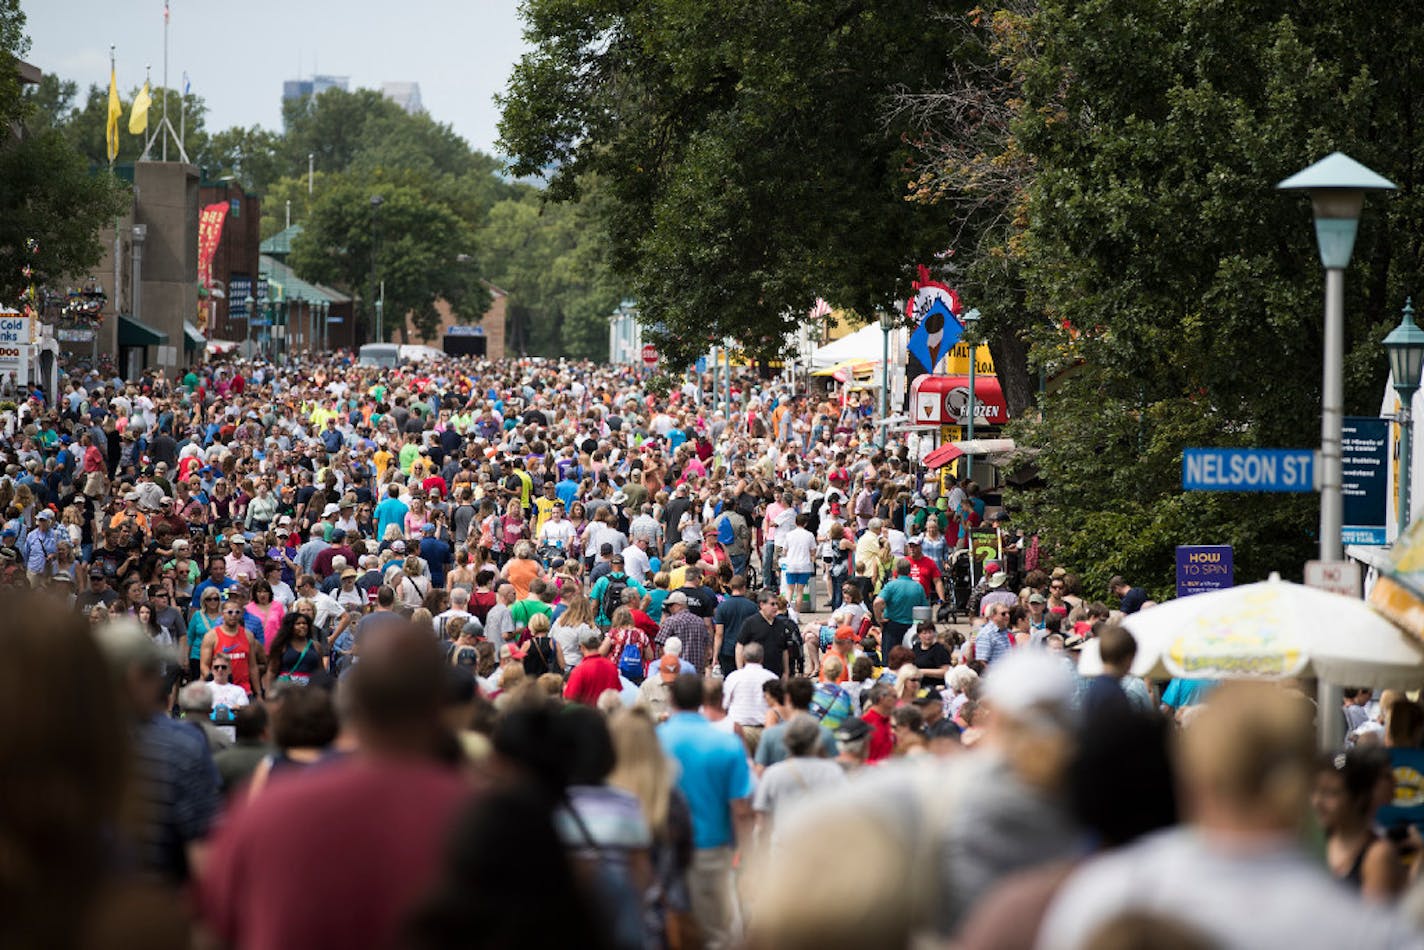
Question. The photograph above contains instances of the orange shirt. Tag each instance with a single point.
(521, 572)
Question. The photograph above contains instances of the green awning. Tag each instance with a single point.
(192, 337)
(134, 333)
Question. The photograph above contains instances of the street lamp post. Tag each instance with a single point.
(249, 303)
(1336, 185)
(1405, 347)
(971, 322)
(376, 202)
(887, 323)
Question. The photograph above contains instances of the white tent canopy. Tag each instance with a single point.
(867, 343)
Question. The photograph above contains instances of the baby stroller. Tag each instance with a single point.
(959, 583)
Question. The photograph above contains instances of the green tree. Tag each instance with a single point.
(250, 155)
(548, 258)
(413, 247)
(748, 163)
(50, 105)
(1183, 290)
(331, 128)
(50, 205)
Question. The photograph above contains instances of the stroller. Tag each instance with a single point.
(959, 583)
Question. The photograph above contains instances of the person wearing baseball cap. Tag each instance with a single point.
(653, 693)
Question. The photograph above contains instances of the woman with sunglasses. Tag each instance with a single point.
(204, 619)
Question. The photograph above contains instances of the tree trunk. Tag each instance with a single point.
(1010, 354)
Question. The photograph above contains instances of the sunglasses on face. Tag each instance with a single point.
(218, 666)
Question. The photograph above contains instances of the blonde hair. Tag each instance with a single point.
(579, 612)
(538, 624)
(642, 768)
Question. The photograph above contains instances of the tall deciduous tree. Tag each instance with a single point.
(1182, 287)
(743, 146)
(51, 206)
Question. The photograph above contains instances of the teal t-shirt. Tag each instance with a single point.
(902, 596)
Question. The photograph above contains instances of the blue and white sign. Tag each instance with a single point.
(1364, 455)
(1264, 470)
(239, 288)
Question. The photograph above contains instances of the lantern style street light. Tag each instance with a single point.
(1405, 347)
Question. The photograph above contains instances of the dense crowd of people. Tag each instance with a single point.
(526, 653)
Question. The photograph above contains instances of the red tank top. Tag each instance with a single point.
(235, 649)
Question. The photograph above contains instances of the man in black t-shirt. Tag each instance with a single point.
(761, 627)
(701, 600)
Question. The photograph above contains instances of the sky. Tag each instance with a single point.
(238, 54)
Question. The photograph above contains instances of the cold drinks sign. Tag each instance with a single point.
(1203, 567)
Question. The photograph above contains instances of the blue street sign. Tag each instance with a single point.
(1365, 486)
(1272, 470)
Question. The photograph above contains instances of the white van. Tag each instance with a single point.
(383, 355)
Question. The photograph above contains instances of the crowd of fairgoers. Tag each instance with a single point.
(507, 654)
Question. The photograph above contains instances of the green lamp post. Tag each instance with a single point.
(1405, 347)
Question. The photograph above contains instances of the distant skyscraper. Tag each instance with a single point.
(404, 94)
(315, 86)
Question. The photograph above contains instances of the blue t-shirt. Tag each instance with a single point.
(391, 511)
(437, 554)
(713, 774)
(566, 490)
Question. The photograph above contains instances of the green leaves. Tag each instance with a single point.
(1157, 133)
(743, 148)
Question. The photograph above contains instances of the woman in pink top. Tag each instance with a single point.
(267, 609)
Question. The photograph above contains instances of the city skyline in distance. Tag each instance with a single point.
(458, 56)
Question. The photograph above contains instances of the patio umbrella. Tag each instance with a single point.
(1273, 630)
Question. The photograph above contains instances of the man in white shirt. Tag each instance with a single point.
(557, 532)
(635, 560)
(742, 695)
(798, 547)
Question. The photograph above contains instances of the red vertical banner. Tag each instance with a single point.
(210, 225)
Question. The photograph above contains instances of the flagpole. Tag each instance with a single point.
(118, 259)
(182, 115)
(165, 78)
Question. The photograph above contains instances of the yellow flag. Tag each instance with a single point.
(138, 115)
(115, 110)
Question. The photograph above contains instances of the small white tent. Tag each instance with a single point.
(867, 343)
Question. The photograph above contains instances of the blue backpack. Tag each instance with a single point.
(726, 534)
(630, 661)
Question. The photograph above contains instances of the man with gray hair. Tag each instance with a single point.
(500, 620)
(178, 781)
(742, 695)
(459, 607)
(196, 702)
(803, 771)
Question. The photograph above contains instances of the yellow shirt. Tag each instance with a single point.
(383, 459)
(545, 508)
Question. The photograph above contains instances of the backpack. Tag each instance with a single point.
(630, 661)
(613, 595)
(726, 534)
